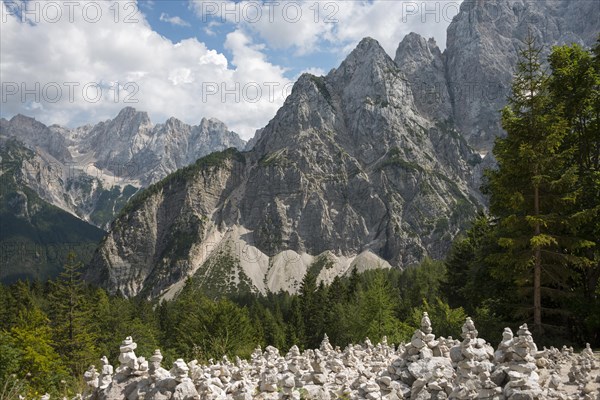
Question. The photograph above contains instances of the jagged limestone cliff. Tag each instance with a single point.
(348, 173)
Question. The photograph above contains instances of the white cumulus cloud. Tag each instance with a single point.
(100, 65)
(307, 26)
(178, 21)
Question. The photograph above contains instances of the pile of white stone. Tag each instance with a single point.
(426, 368)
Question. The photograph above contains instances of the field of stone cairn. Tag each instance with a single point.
(425, 368)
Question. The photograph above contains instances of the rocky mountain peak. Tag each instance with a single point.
(174, 124)
(131, 113)
(367, 58)
(308, 108)
(36, 135)
(346, 174)
(367, 45)
(252, 142)
(129, 121)
(28, 125)
(424, 66)
(20, 118)
(416, 47)
(212, 125)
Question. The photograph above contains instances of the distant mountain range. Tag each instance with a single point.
(87, 174)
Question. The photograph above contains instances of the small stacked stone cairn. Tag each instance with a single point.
(127, 358)
(580, 373)
(106, 374)
(155, 371)
(517, 370)
(92, 380)
(473, 360)
(185, 389)
(422, 368)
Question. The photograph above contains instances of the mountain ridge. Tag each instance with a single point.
(35, 236)
(95, 169)
(347, 174)
(82, 177)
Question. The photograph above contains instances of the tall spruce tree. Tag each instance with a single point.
(531, 187)
(312, 305)
(376, 309)
(70, 314)
(553, 145)
(575, 91)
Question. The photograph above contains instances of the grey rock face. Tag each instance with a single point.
(424, 66)
(153, 246)
(353, 154)
(131, 146)
(347, 166)
(91, 171)
(252, 142)
(36, 135)
(483, 41)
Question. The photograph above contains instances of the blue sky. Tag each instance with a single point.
(82, 61)
(176, 21)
